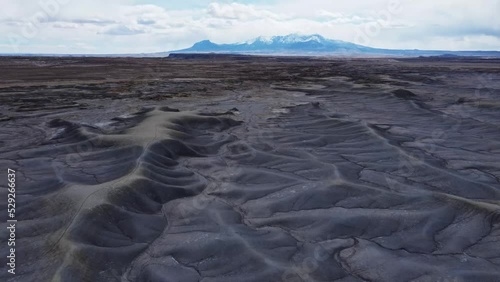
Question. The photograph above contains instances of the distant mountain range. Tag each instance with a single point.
(315, 45)
(291, 45)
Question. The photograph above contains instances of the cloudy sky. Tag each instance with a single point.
(136, 26)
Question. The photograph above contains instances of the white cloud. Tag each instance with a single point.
(238, 11)
(123, 26)
(122, 30)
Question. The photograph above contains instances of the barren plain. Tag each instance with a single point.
(236, 168)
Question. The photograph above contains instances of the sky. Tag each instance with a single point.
(144, 26)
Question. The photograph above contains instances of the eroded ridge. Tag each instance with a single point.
(340, 185)
(92, 201)
(309, 195)
(320, 197)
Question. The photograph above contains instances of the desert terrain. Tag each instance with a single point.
(236, 168)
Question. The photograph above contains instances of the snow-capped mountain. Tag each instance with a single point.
(289, 39)
(293, 43)
(315, 44)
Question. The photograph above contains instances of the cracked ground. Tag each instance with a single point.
(235, 168)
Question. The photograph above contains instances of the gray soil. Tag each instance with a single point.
(229, 168)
